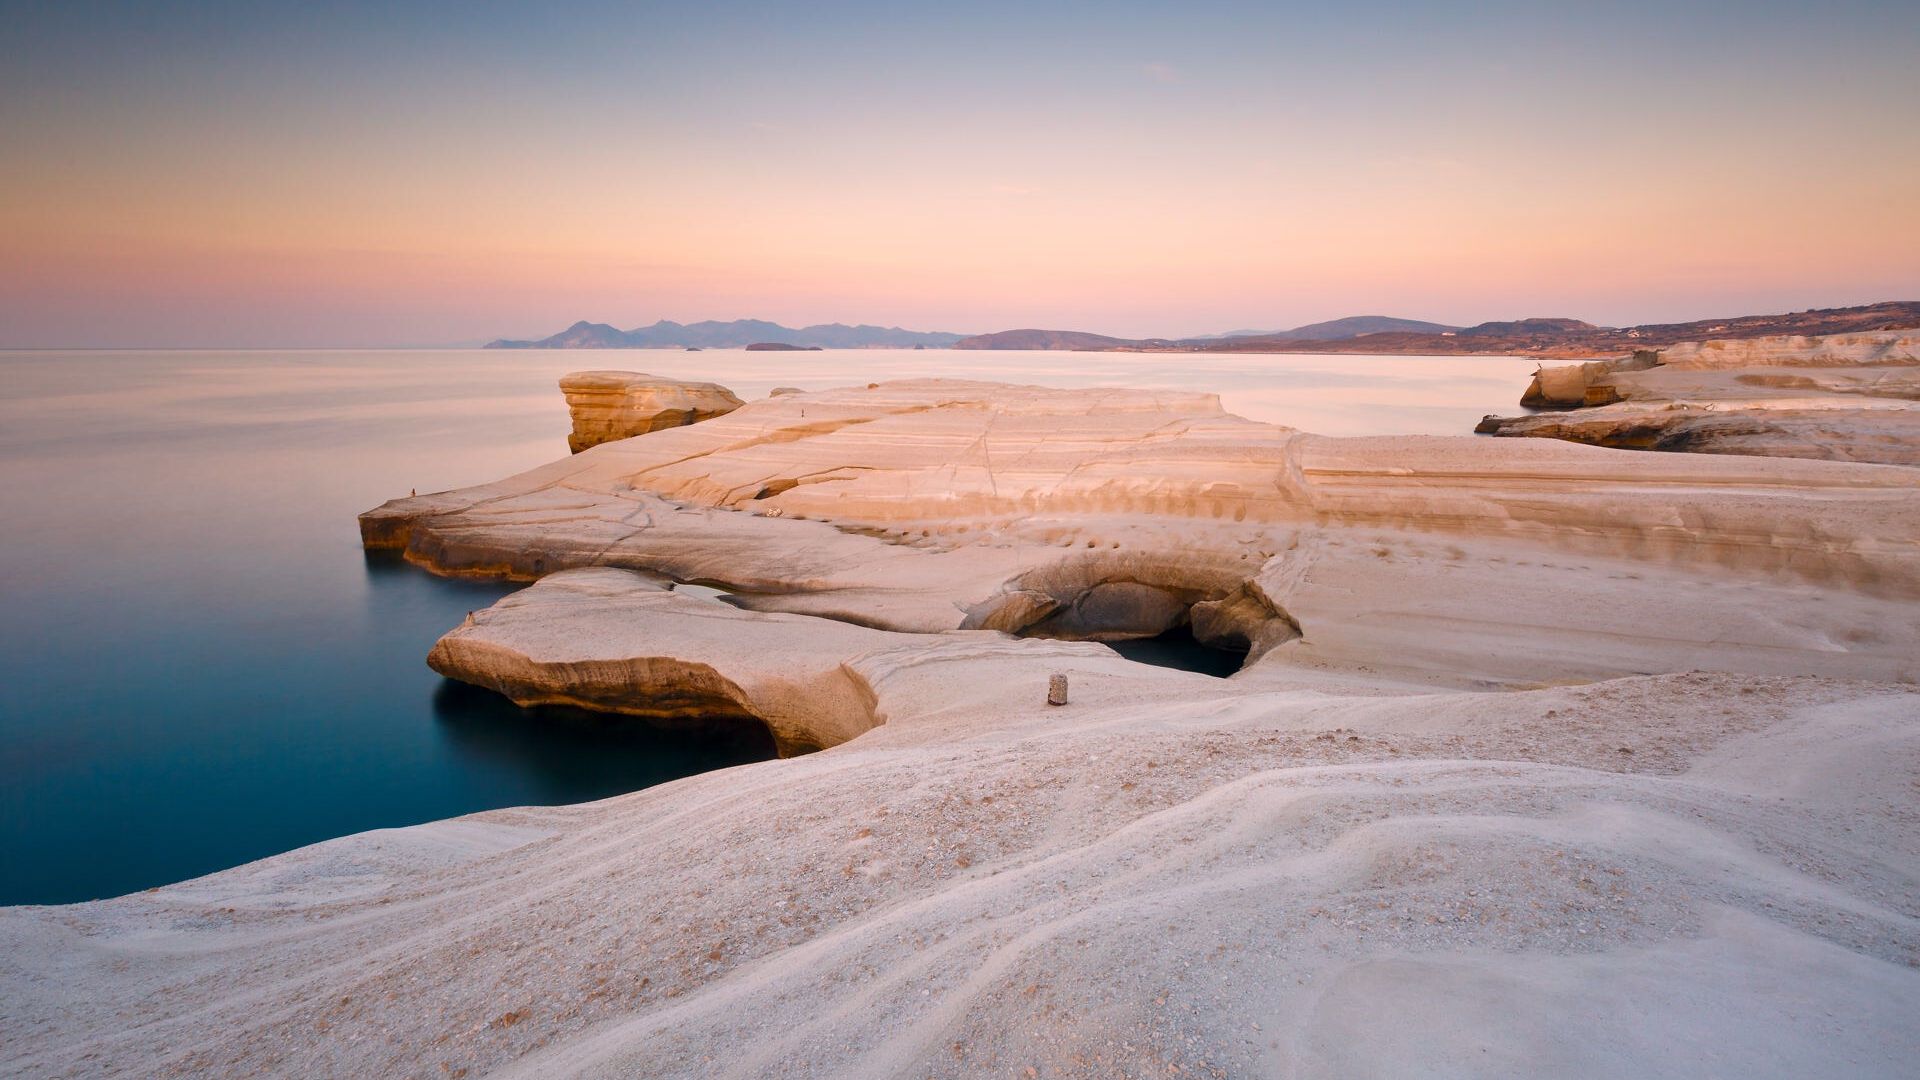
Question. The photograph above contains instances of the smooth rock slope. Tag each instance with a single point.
(1679, 875)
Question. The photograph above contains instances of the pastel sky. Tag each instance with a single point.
(267, 174)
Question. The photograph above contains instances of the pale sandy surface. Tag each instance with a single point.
(1669, 876)
(1391, 846)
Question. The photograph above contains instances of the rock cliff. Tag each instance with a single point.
(610, 405)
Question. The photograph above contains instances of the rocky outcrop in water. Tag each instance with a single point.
(610, 405)
(617, 641)
(935, 505)
(1846, 397)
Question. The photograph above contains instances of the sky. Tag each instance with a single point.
(263, 174)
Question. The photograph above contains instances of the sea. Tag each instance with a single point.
(199, 666)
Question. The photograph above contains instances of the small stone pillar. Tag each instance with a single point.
(1057, 689)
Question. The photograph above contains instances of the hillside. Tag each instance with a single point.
(739, 333)
(1529, 336)
(1359, 325)
(1573, 337)
(1052, 339)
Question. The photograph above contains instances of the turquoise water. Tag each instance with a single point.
(199, 666)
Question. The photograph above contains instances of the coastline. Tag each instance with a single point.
(1457, 774)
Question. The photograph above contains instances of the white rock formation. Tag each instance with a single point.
(620, 642)
(1885, 347)
(1845, 397)
(1467, 811)
(610, 405)
(936, 505)
(1676, 875)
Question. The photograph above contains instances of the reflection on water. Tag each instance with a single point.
(198, 666)
(571, 755)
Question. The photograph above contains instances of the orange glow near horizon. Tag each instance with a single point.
(1148, 198)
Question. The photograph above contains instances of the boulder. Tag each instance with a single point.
(617, 641)
(610, 405)
(1574, 386)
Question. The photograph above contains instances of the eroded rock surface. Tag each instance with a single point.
(610, 405)
(618, 641)
(934, 505)
(1711, 873)
(1847, 397)
(1469, 807)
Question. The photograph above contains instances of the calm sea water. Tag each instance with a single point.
(199, 666)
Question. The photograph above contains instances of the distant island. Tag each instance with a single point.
(740, 333)
(1339, 329)
(1381, 334)
(1533, 336)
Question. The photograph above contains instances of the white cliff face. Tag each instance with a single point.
(1832, 350)
(610, 405)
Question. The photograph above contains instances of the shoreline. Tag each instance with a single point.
(1522, 722)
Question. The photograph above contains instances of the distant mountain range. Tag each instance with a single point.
(1543, 337)
(1052, 339)
(730, 335)
(1354, 334)
(1339, 329)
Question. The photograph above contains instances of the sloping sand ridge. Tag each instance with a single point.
(1469, 808)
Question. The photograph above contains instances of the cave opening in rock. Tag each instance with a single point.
(1178, 648)
(1168, 613)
